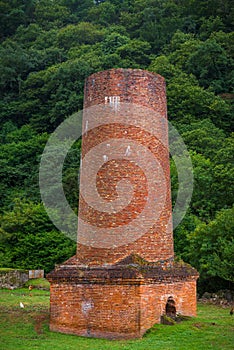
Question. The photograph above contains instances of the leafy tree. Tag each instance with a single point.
(224, 174)
(51, 13)
(181, 47)
(55, 93)
(18, 156)
(37, 244)
(106, 13)
(82, 33)
(163, 66)
(15, 64)
(181, 235)
(136, 51)
(212, 247)
(78, 9)
(6, 129)
(210, 25)
(13, 14)
(210, 8)
(188, 102)
(113, 41)
(27, 35)
(210, 64)
(204, 138)
(202, 203)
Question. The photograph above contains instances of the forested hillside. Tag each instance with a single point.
(49, 47)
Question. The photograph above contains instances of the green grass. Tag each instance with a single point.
(7, 269)
(40, 283)
(28, 328)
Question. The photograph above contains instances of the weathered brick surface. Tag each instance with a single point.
(120, 292)
(94, 310)
(119, 301)
(154, 298)
(148, 90)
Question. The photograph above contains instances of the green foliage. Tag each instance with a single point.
(138, 49)
(182, 234)
(82, 33)
(113, 41)
(188, 102)
(52, 94)
(50, 14)
(209, 9)
(37, 244)
(212, 247)
(13, 14)
(105, 13)
(202, 203)
(15, 64)
(204, 138)
(38, 283)
(224, 173)
(70, 175)
(20, 152)
(211, 65)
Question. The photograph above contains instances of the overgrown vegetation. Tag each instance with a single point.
(47, 50)
(38, 283)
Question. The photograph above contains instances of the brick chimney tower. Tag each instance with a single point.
(123, 278)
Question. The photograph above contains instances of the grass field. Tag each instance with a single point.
(28, 328)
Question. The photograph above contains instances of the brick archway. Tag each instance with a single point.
(170, 307)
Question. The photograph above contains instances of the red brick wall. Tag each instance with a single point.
(131, 85)
(116, 311)
(94, 310)
(154, 298)
(148, 90)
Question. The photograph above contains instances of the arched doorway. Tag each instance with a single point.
(170, 307)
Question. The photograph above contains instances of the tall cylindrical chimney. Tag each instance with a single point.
(125, 201)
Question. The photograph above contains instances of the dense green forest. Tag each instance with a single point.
(49, 47)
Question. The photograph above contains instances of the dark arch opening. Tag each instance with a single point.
(170, 307)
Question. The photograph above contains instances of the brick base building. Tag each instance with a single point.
(121, 301)
(119, 291)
